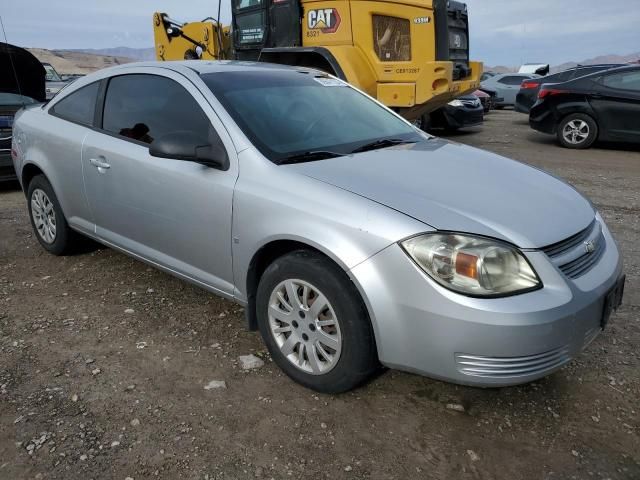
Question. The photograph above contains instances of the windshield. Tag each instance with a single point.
(289, 112)
(52, 75)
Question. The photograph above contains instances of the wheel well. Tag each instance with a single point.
(28, 172)
(300, 59)
(259, 263)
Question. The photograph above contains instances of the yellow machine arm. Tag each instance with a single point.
(205, 40)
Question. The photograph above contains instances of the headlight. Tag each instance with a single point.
(456, 103)
(472, 265)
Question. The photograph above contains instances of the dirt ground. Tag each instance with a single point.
(103, 363)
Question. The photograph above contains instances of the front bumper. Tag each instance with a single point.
(460, 117)
(424, 328)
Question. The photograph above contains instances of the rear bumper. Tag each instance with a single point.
(524, 103)
(542, 120)
(423, 328)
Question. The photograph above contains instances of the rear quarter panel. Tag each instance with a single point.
(54, 146)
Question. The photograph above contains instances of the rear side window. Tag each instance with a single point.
(144, 107)
(512, 80)
(623, 81)
(560, 77)
(79, 106)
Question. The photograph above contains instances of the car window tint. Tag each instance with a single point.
(512, 80)
(145, 107)
(79, 106)
(623, 81)
(560, 77)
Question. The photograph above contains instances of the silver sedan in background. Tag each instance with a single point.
(352, 239)
(506, 86)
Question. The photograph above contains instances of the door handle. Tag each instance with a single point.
(99, 163)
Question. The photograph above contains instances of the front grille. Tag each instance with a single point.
(507, 367)
(392, 38)
(570, 243)
(576, 255)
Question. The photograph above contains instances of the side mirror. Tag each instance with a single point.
(190, 147)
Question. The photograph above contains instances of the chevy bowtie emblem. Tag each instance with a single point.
(590, 246)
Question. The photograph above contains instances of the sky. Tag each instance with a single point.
(503, 32)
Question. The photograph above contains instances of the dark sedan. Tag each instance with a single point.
(22, 82)
(466, 111)
(602, 106)
(529, 89)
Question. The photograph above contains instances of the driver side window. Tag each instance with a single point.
(143, 107)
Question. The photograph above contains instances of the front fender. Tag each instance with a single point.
(274, 203)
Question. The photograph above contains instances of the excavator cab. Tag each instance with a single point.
(259, 24)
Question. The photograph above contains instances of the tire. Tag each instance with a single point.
(345, 335)
(499, 107)
(577, 131)
(47, 219)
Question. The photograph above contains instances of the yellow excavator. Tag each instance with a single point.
(411, 55)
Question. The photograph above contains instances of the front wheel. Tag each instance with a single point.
(577, 131)
(314, 323)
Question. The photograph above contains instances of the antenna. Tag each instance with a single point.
(13, 67)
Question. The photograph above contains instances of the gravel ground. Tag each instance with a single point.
(107, 370)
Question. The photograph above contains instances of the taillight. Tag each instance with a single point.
(547, 92)
(529, 85)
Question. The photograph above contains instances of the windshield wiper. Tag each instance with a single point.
(385, 142)
(310, 156)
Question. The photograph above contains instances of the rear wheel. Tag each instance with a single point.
(48, 222)
(577, 131)
(314, 323)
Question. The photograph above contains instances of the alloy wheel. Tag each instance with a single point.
(44, 215)
(304, 326)
(576, 131)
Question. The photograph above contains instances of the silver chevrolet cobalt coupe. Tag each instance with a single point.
(351, 238)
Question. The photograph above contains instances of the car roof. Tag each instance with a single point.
(206, 66)
(624, 68)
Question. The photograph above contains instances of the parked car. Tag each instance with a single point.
(21, 83)
(486, 100)
(54, 81)
(486, 75)
(602, 106)
(495, 99)
(350, 237)
(528, 94)
(507, 86)
(466, 111)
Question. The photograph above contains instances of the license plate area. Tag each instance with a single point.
(612, 301)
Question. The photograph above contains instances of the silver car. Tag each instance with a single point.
(352, 239)
(507, 86)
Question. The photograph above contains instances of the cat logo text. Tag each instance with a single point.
(327, 20)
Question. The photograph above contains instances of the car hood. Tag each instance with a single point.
(454, 187)
(22, 73)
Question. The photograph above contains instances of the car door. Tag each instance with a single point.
(616, 101)
(174, 213)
